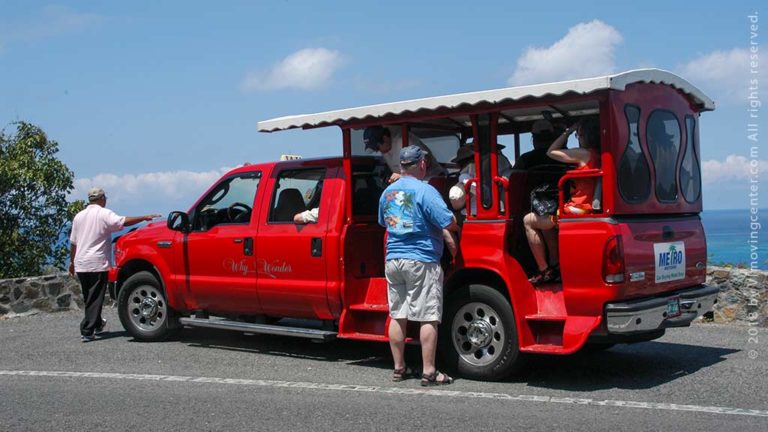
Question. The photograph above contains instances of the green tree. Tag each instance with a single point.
(34, 213)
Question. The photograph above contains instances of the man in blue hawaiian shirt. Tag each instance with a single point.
(418, 222)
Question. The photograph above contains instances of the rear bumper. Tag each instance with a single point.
(648, 314)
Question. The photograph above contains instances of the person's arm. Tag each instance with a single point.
(307, 216)
(570, 156)
(133, 220)
(72, 252)
(450, 242)
(453, 226)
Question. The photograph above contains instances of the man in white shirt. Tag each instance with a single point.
(91, 254)
(389, 141)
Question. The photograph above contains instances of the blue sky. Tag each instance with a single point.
(154, 100)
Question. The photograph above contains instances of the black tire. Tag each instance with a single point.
(143, 309)
(478, 335)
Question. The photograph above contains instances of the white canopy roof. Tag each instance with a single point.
(580, 86)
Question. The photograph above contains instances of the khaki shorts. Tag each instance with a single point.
(414, 290)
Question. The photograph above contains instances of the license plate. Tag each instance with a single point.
(673, 307)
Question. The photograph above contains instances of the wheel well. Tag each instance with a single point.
(477, 276)
(133, 267)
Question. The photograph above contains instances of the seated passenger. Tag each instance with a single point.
(465, 159)
(312, 197)
(540, 230)
(543, 133)
(389, 141)
(307, 216)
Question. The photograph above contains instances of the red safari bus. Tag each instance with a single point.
(630, 267)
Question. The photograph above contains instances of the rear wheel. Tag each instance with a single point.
(478, 337)
(143, 309)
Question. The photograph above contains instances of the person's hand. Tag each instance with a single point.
(72, 269)
(394, 177)
(152, 216)
(453, 250)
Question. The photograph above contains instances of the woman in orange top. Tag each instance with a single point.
(540, 229)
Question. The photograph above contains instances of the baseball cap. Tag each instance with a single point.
(95, 193)
(411, 154)
(373, 136)
(541, 126)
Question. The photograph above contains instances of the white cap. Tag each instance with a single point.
(95, 193)
(457, 196)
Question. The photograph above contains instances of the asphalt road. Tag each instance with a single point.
(700, 378)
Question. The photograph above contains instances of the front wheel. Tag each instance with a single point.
(143, 309)
(478, 336)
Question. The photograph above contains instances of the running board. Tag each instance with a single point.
(223, 324)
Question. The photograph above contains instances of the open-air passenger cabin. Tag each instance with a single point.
(649, 136)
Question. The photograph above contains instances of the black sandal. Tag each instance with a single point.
(431, 379)
(539, 277)
(403, 374)
(556, 271)
(550, 275)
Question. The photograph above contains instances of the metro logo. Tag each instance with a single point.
(670, 261)
(672, 257)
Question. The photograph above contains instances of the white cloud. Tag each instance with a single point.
(149, 192)
(586, 50)
(307, 69)
(723, 75)
(53, 20)
(733, 168)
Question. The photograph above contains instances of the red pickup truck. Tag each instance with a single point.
(632, 266)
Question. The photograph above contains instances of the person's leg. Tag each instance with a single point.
(427, 309)
(428, 339)
(93, 297)
(553, 249)
(397, 341)
(398, 310)
(100, 321)
(533, 226)
(86, 280)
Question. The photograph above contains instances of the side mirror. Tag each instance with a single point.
(178, 221)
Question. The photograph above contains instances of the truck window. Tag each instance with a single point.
(229, 202)
(663, 138)
(690, 172)
(296, 190)
(367, 186)
(634, 173)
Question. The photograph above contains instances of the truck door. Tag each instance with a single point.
(219, 252)
(291, 259)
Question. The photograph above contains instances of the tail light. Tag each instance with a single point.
(613, 261)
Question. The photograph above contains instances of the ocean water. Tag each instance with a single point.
(728, 237)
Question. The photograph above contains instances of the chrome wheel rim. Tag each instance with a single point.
(147, 308)
(478, 334)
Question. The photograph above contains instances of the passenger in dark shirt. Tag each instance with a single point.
(543, 134)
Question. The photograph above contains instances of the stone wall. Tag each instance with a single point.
(743, 296)
(50, 293)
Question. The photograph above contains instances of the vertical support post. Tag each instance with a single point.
(347, 167)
